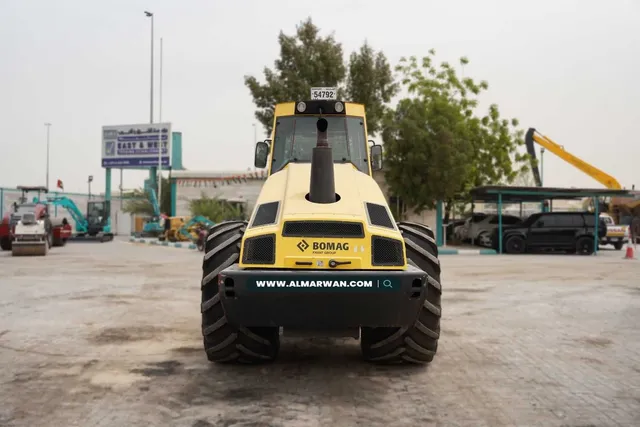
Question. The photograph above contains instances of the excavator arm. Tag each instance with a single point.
(154, 202)
(68, 204)
(185, 230)
(533, 136)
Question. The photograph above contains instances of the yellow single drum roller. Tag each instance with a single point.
(321, 254)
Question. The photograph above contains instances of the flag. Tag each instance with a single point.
(60, 186)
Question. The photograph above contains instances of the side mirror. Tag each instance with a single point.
(376, 157)
(261, 155)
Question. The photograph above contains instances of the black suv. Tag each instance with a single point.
(551, 231)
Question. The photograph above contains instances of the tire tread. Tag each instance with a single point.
(418, 343)
(223, 342)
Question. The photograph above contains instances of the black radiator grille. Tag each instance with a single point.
(267, 213)
(378, 215)
(386, 252)
(259, 250)
(335, 229)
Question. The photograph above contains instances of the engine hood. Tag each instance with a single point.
(290, 186)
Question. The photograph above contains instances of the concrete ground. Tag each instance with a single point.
(109, 335)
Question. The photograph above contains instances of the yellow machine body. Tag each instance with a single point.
(290, 186)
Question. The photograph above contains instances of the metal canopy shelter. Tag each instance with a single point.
(507, 194)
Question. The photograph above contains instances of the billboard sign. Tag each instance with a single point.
(136, 146)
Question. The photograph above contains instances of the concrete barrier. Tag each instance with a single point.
(180, 245)
(454, 251)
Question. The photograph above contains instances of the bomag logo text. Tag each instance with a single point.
(330, 246)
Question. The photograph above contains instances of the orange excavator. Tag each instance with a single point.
(624, 210)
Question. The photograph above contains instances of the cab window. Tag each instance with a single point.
(295, 137)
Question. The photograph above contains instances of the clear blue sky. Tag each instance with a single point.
(565, 67)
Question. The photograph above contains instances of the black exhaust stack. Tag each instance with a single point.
(322, 188)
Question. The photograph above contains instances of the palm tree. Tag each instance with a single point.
(215, 209)
(140, 201)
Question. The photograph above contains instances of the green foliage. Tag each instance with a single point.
(215, 209)
(370, 82)
(524, 178)
(140, 201)
(426, 163)
(309, 60)
(437, 127)
(138, 204)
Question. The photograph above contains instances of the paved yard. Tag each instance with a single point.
(109, 335)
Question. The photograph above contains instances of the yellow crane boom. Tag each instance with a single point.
(534, 136)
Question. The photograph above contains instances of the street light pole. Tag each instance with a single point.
(160, 135)
(542, 166)
(542, 207)
(255, 140)
(150, 15)
(48, 125)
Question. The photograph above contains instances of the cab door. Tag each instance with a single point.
(540, 233)
(564, 230)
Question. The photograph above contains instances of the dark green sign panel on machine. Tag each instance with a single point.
(332, 284)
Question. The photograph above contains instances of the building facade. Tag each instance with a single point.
(238, 187)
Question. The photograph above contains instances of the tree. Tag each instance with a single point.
(214, 208)
(370, 82)
(308, 60)
(140, 201)
(524, 178)
(437, 126)
(423, 162)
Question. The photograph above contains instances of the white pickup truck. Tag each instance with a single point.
(617, 235)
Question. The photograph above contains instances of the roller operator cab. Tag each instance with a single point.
(321, 254)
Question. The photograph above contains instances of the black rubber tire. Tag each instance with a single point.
(224, 343)
(515, 245)
(5, 244)
(618, 245)
(418, 343)
(584, 245)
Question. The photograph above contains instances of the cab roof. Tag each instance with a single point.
(29, 188)
(322, 107)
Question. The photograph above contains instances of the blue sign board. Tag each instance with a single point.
(136, 145)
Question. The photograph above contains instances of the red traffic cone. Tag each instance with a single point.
(629, 251)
